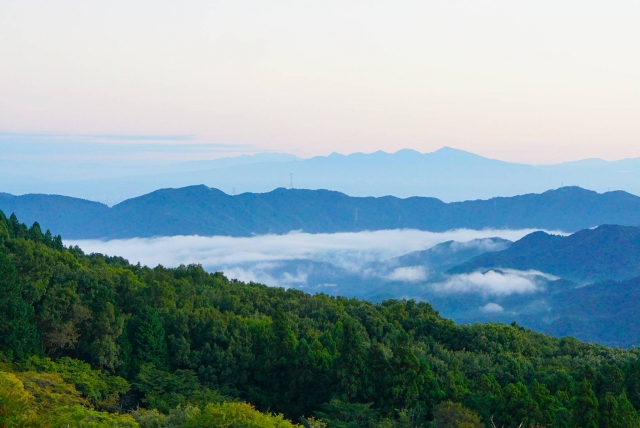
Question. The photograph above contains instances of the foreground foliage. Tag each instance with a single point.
(92, 340)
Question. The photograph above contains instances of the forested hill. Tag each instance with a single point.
(608, 252)
(205, 211)
(89, 340)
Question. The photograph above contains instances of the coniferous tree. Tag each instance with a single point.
(585, 406)
(146, 336)
(4, 228)
(517, 406)
(609, 417)
(627, 415)
(351, 362)
(547, 404)
(610, 379)
(19, 336)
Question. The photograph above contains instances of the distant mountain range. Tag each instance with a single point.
(199, 210)
(448, 174)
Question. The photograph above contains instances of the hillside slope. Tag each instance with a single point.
(606, 252)
(606, 312)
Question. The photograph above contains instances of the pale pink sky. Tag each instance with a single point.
(535, 82)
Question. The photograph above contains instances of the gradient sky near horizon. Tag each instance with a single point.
(534, 82)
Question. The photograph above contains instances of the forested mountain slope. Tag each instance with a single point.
(606, 312)
(182, 347)
(199, 210)
(608, 252)
(182, 343)
(61, 214)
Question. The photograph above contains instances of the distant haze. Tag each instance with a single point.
(534, 82)
(448, 174)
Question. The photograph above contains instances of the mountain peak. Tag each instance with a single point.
(606, 252)
(449, 149)
(457, 155)
(407, 152)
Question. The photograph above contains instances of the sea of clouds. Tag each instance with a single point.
(254, 258)
(343, 249)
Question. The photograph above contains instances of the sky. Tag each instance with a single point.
(534, 82)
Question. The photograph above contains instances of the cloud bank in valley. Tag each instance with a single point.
(271, 259)
(347, 250)
(491, 308)
(263, 273)
(408, 274)
(485, 245)
(498, 283)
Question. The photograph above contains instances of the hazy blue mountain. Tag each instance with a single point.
(448, 174)
(61, 214)
(444, 256)
(73, 171)
(199, 210)
(606, 312)
(112, 182)
(606, 252)
(266, 157)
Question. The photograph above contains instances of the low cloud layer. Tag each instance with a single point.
(259, 273)
(481, 244)
(498, 283)
(347, 250)
(491, 308)
(408, 274)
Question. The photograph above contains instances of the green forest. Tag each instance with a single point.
(94, 341)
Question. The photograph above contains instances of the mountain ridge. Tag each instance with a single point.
(200, 210)
(608, 252)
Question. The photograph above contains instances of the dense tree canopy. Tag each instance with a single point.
(127, 345)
